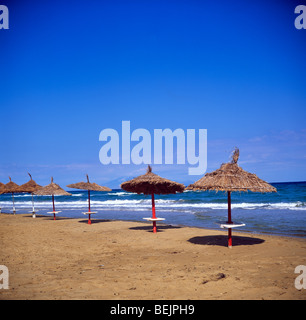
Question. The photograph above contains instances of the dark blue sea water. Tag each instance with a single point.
(281, 213)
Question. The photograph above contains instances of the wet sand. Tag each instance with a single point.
(69, 259)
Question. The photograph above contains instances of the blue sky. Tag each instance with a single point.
(72, 69)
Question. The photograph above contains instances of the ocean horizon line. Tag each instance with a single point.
(282, 182)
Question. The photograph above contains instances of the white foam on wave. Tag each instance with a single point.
(120, 193)
(22, 195)
(161, 203)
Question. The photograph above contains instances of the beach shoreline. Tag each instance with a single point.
(280, 214)
(120, 260)
(180, 225)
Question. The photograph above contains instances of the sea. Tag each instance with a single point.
(282, 213)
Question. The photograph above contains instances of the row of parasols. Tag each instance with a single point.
(229, 177)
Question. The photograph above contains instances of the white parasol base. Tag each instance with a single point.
(231, 225)
(154, 219)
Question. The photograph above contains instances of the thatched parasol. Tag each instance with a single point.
(30, 187)
(52, 189)
(90, 186)
(230, 177)
(151, 183)
(10, 187)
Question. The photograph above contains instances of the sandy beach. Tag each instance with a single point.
(118, 260)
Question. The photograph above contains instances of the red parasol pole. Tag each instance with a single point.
(229, 219)
(153, 214)
(53, 207)
(89, 221)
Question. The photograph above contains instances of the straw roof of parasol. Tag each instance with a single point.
(10, 187)
(30, 186)
(1, 186)
(88, 186)
(151, 183)
(52, 189)
(230, 177)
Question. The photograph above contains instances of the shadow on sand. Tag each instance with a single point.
(93, 221)
(46, 217)
(56, 218)
(159, 228)
(221, 240)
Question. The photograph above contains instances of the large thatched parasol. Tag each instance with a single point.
(30, 187)
(10, 187)
(90, 186)
(52, 189)
(230, 177)
(151, 183)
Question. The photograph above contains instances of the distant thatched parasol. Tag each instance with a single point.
(30, 187)
(151, 183)
(230, 177)
(52, 189)
(10, 187)
(90, 186)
